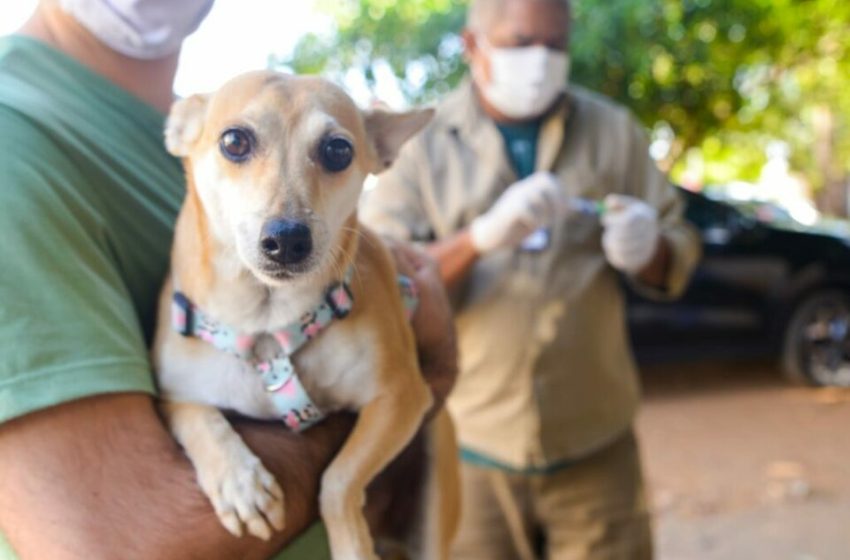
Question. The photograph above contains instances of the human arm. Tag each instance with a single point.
(99, 475)
(397, 210)
(455, 257)
(657, 271)
(645, 235)
(632, 240)
(524, 206)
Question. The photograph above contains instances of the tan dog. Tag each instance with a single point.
(268, 234)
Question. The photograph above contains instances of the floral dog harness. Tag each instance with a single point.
(295, 406)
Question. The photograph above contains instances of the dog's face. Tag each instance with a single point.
(278, 163)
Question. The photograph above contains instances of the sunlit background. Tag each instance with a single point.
(728, 109)
(238, 35)
(736, 103)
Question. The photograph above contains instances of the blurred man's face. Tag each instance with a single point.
(522, 24)
(519, 63)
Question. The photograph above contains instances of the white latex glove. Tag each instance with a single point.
(524, 207)
(631, 233)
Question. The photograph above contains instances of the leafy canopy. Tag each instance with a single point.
(725, 76)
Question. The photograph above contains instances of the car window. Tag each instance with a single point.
(706, 213)
(716, 221)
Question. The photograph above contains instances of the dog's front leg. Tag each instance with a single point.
(383, 428)
(240, 488)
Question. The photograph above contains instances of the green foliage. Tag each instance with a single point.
(673, 61)
(728, 76)
(417, 38)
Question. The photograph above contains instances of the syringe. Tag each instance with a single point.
(585, 206)
(539, 240)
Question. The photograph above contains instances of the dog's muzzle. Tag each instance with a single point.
(286, 242)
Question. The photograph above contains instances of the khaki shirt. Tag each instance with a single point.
(547, 374)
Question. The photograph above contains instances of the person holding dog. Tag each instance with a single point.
(87, 208)
(536, 198)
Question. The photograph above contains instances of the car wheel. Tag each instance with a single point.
(817, 341)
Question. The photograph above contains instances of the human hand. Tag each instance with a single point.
(525, 206)
(631, 233)
(433, 321)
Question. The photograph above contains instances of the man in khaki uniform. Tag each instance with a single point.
(548, 389)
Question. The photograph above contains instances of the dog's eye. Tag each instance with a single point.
(336, 154)
(236, 144)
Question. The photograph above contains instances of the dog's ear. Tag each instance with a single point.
(388, 131)
(185, 124)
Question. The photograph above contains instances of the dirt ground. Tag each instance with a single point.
(743, 465)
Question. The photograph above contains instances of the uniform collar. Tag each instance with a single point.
(464, 115)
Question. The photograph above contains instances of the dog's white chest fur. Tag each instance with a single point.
(336, 371)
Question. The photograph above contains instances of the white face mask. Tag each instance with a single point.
(524, 81)
(146, 29)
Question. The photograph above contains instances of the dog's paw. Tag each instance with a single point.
(245, 495)
(342, 511)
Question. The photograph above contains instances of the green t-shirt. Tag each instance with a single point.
(88, 199)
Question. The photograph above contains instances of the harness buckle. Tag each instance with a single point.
(276, 373)
(182, 316)
(340, 299)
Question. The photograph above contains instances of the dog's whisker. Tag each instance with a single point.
(341, 254)
(362, 237)
(335, 262)
(360, 234)
(344, 256)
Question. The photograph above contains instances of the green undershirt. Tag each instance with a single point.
(521, 145)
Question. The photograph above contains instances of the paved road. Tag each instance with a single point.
(744, 466)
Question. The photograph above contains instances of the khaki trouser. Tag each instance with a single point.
(593, 509)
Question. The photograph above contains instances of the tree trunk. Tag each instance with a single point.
(832, 196)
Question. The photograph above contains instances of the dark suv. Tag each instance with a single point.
(764, 287)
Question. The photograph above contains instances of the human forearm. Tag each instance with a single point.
(102, 475)
(455, 256)
(523, 207)
(655, 273)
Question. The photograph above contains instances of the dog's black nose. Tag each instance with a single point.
(286, 241)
